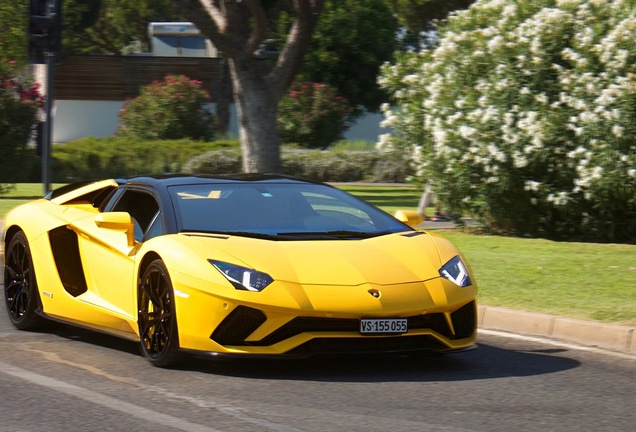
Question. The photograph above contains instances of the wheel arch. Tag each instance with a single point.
(9, 233)
(143, 265)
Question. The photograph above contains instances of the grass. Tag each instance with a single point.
(388, 198)
(22, 193)
(581, 280)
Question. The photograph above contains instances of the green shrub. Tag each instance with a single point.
(19, 104)
(169, 109)
(112, 157)
(320, 165)
(524, 115)
(312, 115)
(226, 161)
(325, 165)
(97, 158)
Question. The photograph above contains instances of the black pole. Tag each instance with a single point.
(48, 124)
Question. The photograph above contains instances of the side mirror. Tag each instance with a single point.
(410, 217)
(118, 221)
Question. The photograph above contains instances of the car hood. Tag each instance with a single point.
(383, 260)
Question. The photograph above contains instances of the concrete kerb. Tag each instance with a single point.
(587, 333)
(611, 337)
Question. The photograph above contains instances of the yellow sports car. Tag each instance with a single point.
(238, 265)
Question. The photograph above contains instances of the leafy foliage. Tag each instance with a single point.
(420, 15)
(312, 115)
(13, 24)
(169, 109)
(97, 158)
(336, 165)
(524, 116)
(108, 26)
(19, 104)
(352, 40)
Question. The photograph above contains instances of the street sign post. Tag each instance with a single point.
(45, 43)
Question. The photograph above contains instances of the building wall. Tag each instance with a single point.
(75, 119)
(90, 90)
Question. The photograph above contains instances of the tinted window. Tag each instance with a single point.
(142, 207)
(276, 209)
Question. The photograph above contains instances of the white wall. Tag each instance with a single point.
(366, 128)
(77, 119)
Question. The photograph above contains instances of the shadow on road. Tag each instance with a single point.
(486, 362)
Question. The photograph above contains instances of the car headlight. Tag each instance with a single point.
(243, 278)
(455, 271)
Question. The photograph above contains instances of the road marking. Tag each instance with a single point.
(103, 400)
(225, 408)
(554, 342)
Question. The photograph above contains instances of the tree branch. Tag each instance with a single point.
(260, 26)
(210, 18)
(290, 58)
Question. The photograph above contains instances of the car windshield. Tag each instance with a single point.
(292, 211)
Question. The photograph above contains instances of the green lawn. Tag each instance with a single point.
(584, 280)
(389, 198)
(590, 281)
(22, 193)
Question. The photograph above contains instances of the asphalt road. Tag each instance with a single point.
(68, 379)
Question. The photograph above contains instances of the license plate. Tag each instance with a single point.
(371, 326)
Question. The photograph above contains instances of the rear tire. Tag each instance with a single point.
(157, 319)
(20, 285)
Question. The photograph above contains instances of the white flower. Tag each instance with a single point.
(495, 43)
(519, 160)
(531, 185)
(567, 3)
(617, 130)
(439, 136)
(541, 98)
(384, 139)
(466, 132)
(410, 79)
(589, 117)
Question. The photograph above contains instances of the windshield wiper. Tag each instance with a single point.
(249, 234)
(330, 235)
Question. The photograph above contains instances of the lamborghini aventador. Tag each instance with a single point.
(239, 265)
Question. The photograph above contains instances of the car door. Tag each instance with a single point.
(109, 257)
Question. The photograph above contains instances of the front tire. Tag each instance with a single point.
(157, 318)
(20, 285)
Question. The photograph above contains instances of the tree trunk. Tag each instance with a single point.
(237, 28)
(223, 102)
(256, 110)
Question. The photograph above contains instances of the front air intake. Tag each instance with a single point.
(465, 320)
(238, 325)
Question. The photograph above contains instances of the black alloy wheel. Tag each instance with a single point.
(20, 286)
(157, 319)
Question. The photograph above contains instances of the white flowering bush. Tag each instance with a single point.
(524, 115)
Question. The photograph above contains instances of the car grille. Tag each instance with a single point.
(243, 321)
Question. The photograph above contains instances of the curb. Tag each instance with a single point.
(583, 332)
